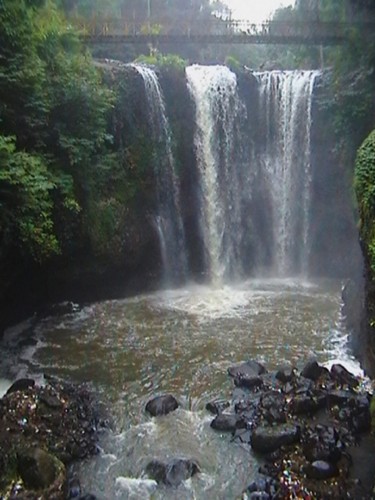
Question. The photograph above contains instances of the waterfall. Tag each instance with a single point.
(266, 181)
(168, 221)
(219, 112)
(285, 101)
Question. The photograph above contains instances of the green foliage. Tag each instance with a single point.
(53, 128)
(167, 61)
(364, 183)
(26, 201)
(232, 63)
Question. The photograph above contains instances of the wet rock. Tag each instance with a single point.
(225, 422)
(285, 374)
(88, 497)
(21, 384)
(303, 405)
(320, 469)
(239, 395)
(343, 376)
(162, 405)
(50, 399)
(39, 469)
(338, 397)
(263, 487)
(248, 382)
(268, 439)
(217, 407)
(273, 407)
(322, 443)
(313, 370)
(242, 435)
(173, 472)
(248, 369)
(74, 488)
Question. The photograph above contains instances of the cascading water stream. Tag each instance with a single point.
(219, 112)
(285, 103)
(168, 221)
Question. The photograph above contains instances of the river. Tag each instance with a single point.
(181, 342)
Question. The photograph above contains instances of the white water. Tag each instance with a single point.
(217, 141)
(285, 104)
(169, 223)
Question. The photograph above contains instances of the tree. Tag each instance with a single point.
(53, 120)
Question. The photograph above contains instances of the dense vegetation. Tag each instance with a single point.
(53, 119)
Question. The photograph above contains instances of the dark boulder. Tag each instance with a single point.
(269, 439)
(88, 496)
(320, 469)
(322, 442)
(225, 422)
(313, 371)
(343, 376)
(263, 487)
(339, 398)
(248, 369)
(21, 384)
(173, 472)
(303, 405)
(273, 407)
(248, 382)
(217, 407)
(285, 374)
(162, 405)
(39, 470)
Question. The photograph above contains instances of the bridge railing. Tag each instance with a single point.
(232, 29)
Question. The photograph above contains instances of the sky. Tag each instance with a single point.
(255, 10)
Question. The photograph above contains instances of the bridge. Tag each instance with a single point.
(217, 31)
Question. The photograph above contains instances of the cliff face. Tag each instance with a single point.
(115, 245)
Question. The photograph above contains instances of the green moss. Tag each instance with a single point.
(364, 183)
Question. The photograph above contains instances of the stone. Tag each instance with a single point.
(21, 384)
(248, 382)
(321, 443)
(269, 439)
(312, 370)
(285, 374)
(38, 469)
(162, 405)
(217, 407)
(74, 488)
(263, 487)
(248, 369)
(339, 398)
(88, 496)
(343, 376)
(225, 422)
(50, 400)
(173, 472)
(320, 469)
(303, 405)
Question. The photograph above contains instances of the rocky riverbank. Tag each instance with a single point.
(309, 430)
(43, 430)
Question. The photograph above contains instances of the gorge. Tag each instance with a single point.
(250, 254)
